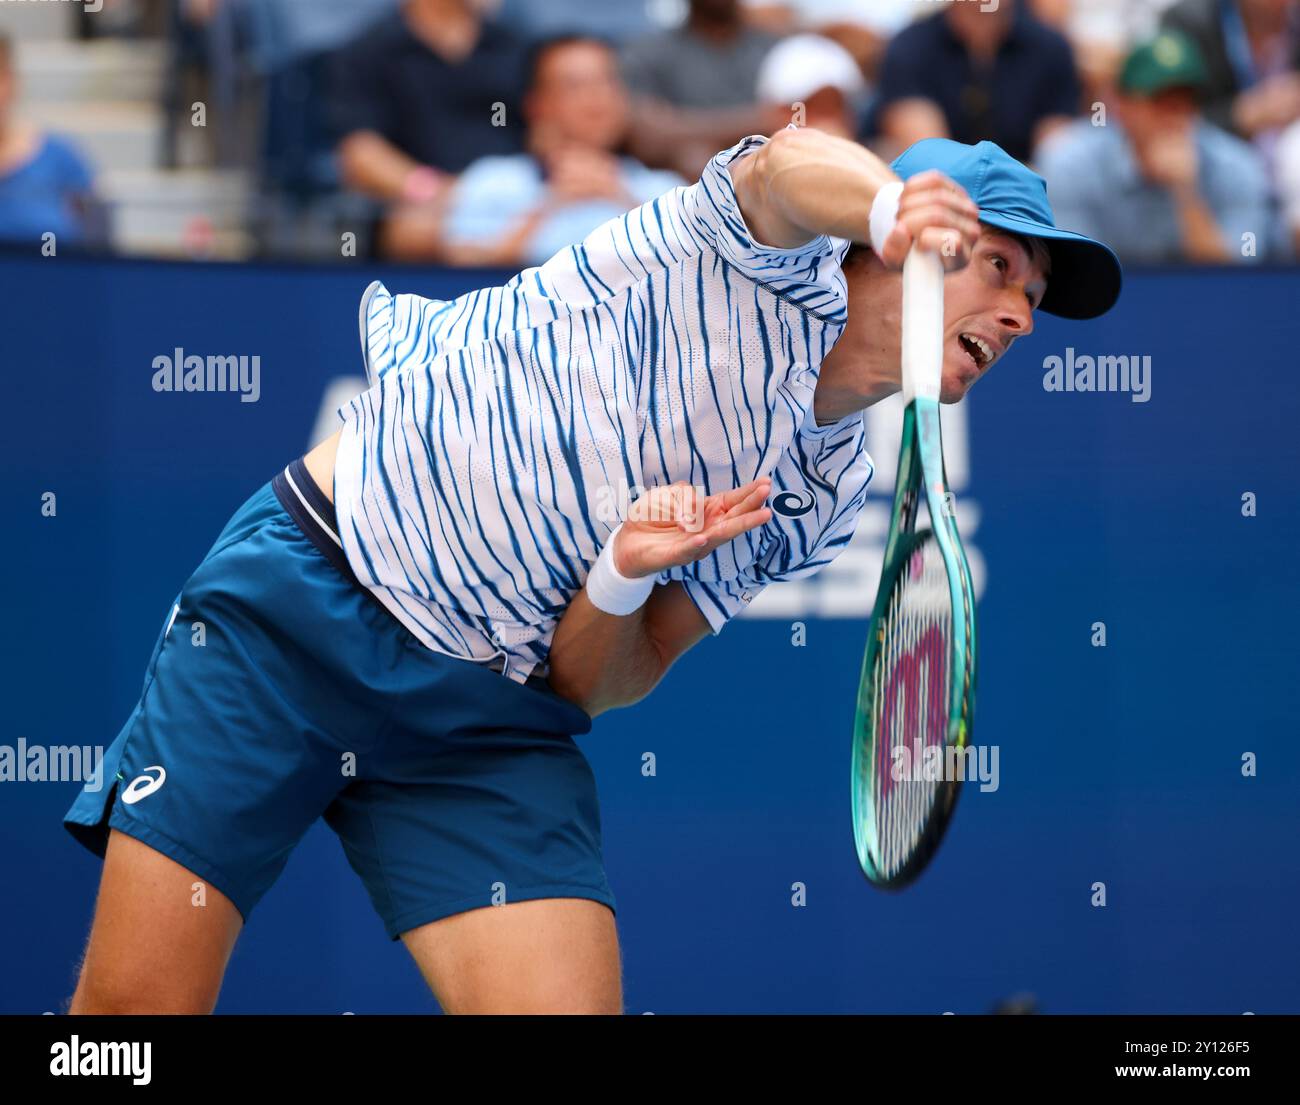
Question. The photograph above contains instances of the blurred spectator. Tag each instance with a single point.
(1102, 33)
(974, 72)
(1252, 52)
(710, 61)
(863, 29)
(1288, 181)
(45, 184)
(202, 66)
(884, 17)
(424, 92)
(289, 29)
(620, 21)
(119, 18)
(693, 87)
(1161, 184)
(814, 82)
(521, 209)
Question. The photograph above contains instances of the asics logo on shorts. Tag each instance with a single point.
(143, 785)
(793, 504)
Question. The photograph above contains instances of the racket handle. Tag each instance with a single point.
(922, 325)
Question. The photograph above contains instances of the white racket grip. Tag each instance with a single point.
(922, 325)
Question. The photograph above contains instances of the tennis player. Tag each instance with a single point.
(407, 627)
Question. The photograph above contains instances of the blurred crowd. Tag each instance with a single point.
(495, 132)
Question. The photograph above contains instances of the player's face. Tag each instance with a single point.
(987, 306)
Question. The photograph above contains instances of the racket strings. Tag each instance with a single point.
(911, 705)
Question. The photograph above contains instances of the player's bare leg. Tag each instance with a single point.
(552, 955)
(152, 949)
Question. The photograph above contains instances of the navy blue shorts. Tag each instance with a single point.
(299, 696)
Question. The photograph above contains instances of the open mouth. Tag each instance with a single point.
(978, 350)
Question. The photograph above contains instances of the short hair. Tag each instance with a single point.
(1039, 251)
(538, 50)
(6, 52)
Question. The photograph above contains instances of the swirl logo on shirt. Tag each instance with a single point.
(793, 504)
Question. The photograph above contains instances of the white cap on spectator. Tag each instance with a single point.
(800, 65)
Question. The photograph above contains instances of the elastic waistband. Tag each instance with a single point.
(313, 513)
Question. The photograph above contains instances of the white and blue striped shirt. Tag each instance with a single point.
(505, 433)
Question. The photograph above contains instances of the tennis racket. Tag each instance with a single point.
(917, 689)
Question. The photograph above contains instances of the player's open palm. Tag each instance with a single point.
(678, 524)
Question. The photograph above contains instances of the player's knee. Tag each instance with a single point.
(549, 998)
(589, 983)
(561, 1004)
(112, 993)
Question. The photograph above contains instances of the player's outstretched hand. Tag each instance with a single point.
(937, 214)
(675, 525)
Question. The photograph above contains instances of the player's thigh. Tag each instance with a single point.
(160, 939)
(548, 955)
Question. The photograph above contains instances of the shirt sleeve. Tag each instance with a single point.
(818, 491)
(401, 329)
(809, 275)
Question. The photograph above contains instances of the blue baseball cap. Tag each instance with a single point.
(1086, 275)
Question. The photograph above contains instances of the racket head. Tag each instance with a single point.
(917, 686)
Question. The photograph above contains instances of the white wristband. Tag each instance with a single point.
(609, 589)
(884, 215)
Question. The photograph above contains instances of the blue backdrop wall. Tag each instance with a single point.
(1119, 765)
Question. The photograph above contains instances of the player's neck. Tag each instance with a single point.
(863, 366)
(836, 398)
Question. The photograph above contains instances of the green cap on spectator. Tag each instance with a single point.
(1170, 60)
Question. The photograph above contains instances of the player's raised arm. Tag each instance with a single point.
(602, 657)
(804, 183)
